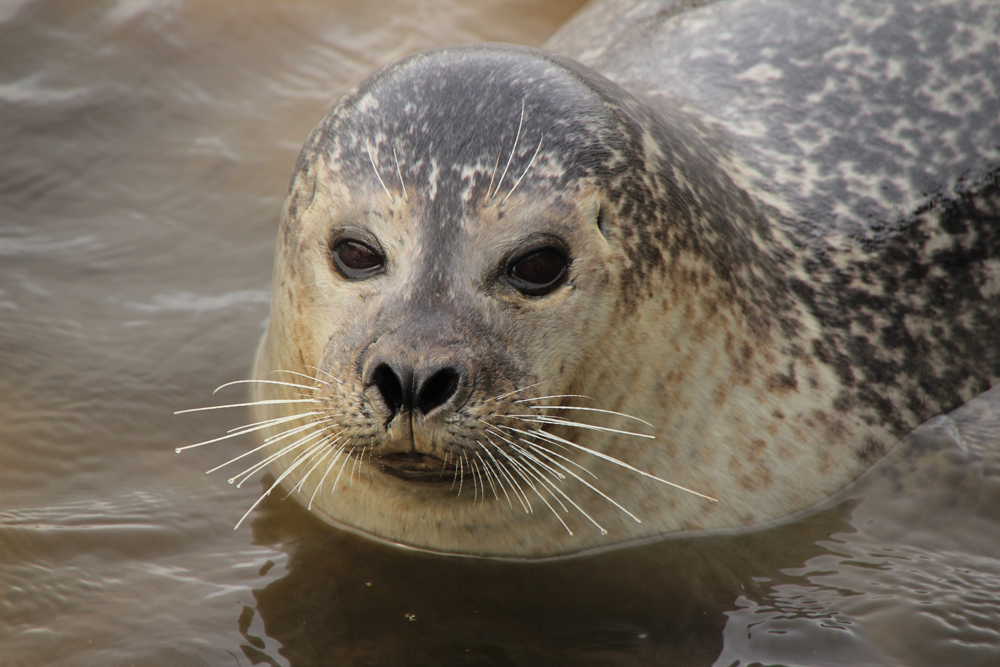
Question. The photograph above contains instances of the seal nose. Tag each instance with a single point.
(423, 390)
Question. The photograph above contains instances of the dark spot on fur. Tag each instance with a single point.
(871, 451)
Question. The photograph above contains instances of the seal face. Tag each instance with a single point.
(520, 311)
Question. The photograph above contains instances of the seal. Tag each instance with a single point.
(698, 270)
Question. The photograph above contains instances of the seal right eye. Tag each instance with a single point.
(356, 260)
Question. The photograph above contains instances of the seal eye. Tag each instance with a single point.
(356, 260)
(538, 272)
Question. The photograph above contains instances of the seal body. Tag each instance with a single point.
(698, 273)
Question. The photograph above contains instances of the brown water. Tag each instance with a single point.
(145, 148)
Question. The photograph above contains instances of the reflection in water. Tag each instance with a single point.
(146, 149)
(370, 604)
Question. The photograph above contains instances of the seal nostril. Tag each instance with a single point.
(437, 389)
(389, 386)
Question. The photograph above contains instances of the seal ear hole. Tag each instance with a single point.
(356, 260)
(538, 272)
(602, 221)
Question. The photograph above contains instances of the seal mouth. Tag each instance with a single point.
(416, 467)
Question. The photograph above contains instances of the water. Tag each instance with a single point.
(146, 149)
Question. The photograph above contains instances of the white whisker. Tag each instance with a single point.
(610, 459)
(311, 453)
(248, 428)
(399, 173)
(245, 405)
(271, 458)
(489, 189)
(296, 429)
(514, 486)
(523, 471)
(274, 421)
(303, 375)
(570, 407)
(326, 444)
(516, 391)
(542, 398)
(341, 471)
(286, 384)
(336, 455)
(535, 444)
(375, 169)
(578, 508)
(548, 454)
(512, 150)
(490, 428)
(490, 473)
(525, 172)
(265, 494)
(326, 373)
(559, 421)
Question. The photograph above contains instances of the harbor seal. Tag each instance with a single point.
(685, 270)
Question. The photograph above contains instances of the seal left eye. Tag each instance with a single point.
(539, 272)
(356, 260)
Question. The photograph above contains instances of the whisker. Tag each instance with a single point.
(544, 419)
(271, 458)
(325, 444)
(375, 169)
(548, 454)
(542, 398)
(523, 470)
(326, 373)
(256, 449)
(339, 451)
(296, 429)
(476, 481)
(514, 461)
(274, 421)
(610, 459)
(399, 173)
(286, 384)
(537, 462)
(489, 189)
(516, 391)
(525, 172)
(245, 405)
(303, 375)
(532, 468)
(311, 453)
(512, 150)
(354, 466)
(489, 478)
(269, 441)
(571, 407)
(341, 471)
(265, 494)
(371, 452)
(535, 444)
(578, 508)
(249, 428)
(514, 486)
